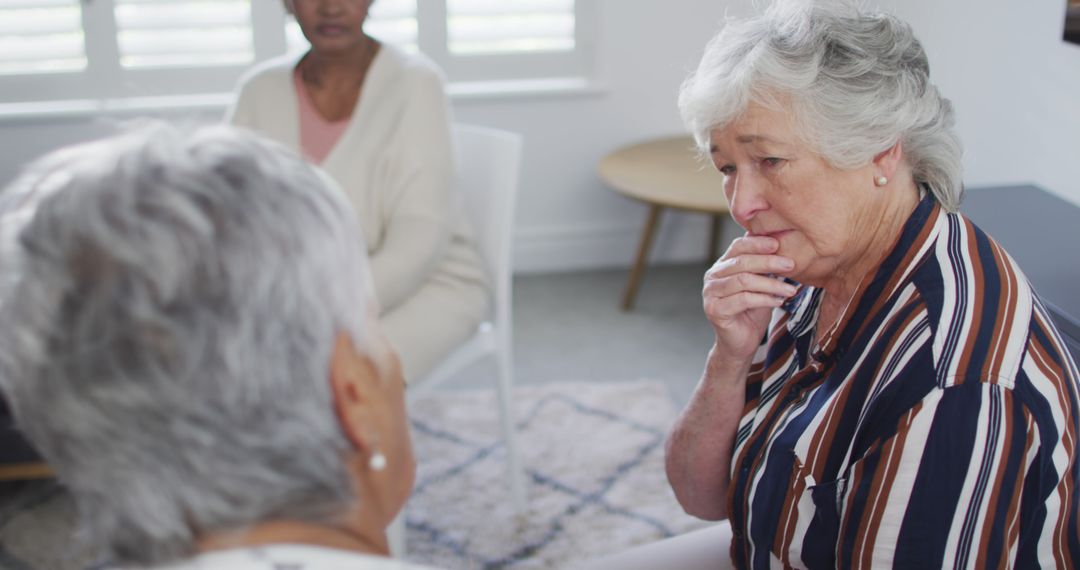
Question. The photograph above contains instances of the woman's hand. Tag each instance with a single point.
(741, 291)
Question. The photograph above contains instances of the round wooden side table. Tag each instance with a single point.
(664, 173)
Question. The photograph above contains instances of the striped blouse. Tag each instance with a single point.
(934, 427)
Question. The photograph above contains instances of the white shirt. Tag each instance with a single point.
(289, 557)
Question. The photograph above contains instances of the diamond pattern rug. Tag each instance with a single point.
(594, 458)
(593, 455)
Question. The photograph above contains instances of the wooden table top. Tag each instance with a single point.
(666, 172)
(24, 471)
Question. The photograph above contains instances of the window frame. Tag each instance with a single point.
(104, 80)
(511, 67)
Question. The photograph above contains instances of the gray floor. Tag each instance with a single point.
(568, 327)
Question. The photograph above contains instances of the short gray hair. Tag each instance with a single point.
(858, 83)
(167, 318)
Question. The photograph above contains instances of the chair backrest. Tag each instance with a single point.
(489, 164)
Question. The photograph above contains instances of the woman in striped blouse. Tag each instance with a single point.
(885, 388)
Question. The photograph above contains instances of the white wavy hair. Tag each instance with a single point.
(167, 316)
(857, 83)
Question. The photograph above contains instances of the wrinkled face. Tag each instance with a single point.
(331, 26)
(778, 186)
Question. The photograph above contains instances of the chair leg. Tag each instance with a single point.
(395, 535)
(515, 471)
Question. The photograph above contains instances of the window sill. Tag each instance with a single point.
(11, 113)
(466, 93)
(524, 89)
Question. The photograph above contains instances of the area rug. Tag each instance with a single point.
(594, 461)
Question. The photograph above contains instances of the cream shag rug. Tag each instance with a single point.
(593, 454)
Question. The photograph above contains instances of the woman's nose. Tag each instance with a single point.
(746, 198)
(330, 7)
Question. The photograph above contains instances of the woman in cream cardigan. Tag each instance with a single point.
(376, 119)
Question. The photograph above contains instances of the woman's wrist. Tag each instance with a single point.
(725, 369)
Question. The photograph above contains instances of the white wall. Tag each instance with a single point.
(1015, 84)
(567, 219)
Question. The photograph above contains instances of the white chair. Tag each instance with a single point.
(488, 168)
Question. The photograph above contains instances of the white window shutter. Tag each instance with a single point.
(394, 21)
(481, 27)
(41, 37)
(85, 51)
(184, 33)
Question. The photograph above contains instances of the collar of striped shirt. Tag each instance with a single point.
(803, 307)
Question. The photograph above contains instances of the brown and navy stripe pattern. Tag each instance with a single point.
(936, 427)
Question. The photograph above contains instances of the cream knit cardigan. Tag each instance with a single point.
(395, 163)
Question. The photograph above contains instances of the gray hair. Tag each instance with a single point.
(167, 320)
(857, 82)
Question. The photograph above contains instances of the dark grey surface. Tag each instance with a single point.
(13, 447)
(1042, 233)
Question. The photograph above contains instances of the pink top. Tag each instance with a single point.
(317, 135)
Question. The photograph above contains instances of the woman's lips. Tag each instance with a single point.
(332, 30)
(775, 235)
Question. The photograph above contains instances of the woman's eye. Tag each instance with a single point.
(727, 169)
(772, 161)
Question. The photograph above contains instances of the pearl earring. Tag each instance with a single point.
(881, 181)
(377, 462)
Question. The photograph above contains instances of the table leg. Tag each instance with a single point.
(642, 256)
(714, 239)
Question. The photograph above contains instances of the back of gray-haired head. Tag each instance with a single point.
(168, 313)
(857, 83)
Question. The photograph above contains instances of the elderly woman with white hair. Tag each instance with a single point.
(187, 335)
(885, 388)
